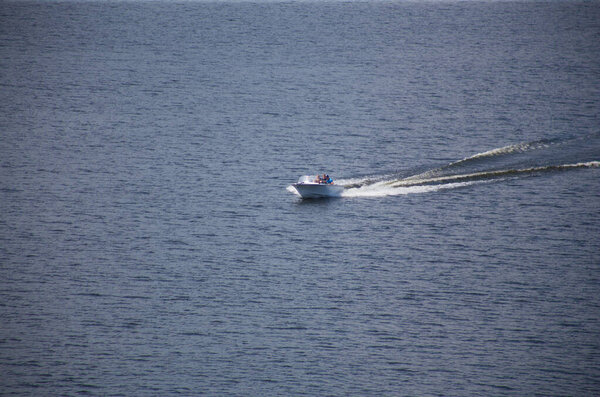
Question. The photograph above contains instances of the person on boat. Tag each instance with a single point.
(323, 179)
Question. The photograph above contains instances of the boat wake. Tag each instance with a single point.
(514, 161)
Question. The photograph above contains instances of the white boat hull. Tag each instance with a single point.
(318, 190)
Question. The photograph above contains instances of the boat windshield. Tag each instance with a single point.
(307, 179)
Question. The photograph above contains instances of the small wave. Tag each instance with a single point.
(516, 148)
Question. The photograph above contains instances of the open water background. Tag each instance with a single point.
(149, 244)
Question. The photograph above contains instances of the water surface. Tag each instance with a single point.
(149, 244)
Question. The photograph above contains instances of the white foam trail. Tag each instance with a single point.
(414, 185)
(351, 181)
(362, 180)
(382, 189)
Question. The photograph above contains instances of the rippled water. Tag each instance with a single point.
(149, 243)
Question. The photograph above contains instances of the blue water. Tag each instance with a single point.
(151, 244)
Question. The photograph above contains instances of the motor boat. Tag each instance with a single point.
(314, 187)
